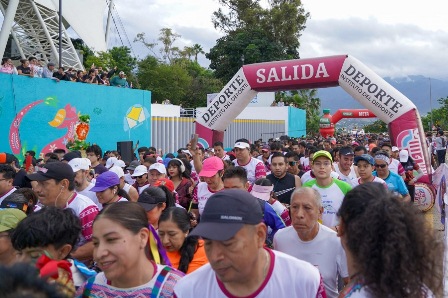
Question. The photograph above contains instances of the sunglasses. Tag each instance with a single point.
(141, 176)
(292, 163)
(380, 166)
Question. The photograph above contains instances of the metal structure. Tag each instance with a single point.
(35, 30)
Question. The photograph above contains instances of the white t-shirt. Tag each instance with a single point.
(255, 169)
(305, 162)
(287, 277)
(307, 176)
(332, 197)
(86, 211)
(395, 166)
(90, 194)
(350, 178)
(324, 251)
(375, 179)
(201, 194)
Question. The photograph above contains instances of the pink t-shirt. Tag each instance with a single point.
(255, 169)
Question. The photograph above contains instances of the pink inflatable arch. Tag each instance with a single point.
(387, 103)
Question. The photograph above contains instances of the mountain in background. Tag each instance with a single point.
(415, 87)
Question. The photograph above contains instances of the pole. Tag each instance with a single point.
(108, 21)
(430, 103)
(8, 21)
(60, 33)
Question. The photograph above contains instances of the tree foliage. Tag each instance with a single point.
(304, 99)
(249, 28)
(378, 126)
(439, 116)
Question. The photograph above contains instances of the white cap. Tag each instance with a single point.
(79, 164)
(117, 170)
(158, 167)
(242, 145)
(111, 161)
(120, 163)
(404, 155)
(140, 170)
(395, 148)
(186, 152)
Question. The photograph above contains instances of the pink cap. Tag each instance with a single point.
(262, 192)
(211, 166)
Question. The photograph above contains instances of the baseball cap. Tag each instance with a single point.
(69, 156)
(79, 164)
(262, 192)
(158, 167)
(241, 145)
(54, 170)
(120, 163)
(346, 151)
(6, 158)
(166, 182)
(404, 155)
(140, 170)
(323, 153)
(211, 166)
(111, 161)
(186, 152)
(105, 180)
(10, 218)
(226, 212)
(133, 165)
(355, 143)
(366, 157)
(50, 64)
(117, 170)
(395, 148)
(151, 197)
(265, 148)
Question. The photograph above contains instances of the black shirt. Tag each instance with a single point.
(283, 187)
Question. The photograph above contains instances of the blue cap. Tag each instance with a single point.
(365, 157)
(105, 180)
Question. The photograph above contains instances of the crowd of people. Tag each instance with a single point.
(36, 68)
(310, 217)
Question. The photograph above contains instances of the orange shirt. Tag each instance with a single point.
(371, 146)
(199, 258)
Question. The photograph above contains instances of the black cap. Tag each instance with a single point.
(346, 151)
(69, 156)
(6, 158)
(133, 165)
(151, 197)
(226, 212)
(54, 170)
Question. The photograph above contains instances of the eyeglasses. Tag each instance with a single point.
(292, 163)
(141, 176)
(380, 166)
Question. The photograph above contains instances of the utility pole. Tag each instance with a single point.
(430, 103)
(60, 33)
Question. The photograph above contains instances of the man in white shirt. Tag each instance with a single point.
(308, 240)
(233, 232)
(346, 170)
(81, 168)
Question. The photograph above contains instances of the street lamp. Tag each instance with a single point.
(60, 33)
(430, 103)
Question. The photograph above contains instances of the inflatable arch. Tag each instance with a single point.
(374, 93)
(327, 122)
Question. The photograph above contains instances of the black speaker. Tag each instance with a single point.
(126, 151)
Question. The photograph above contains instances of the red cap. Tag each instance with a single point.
(167, 182)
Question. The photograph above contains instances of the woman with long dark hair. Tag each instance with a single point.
(186, 253)
(123, 251)
(180, 175)
(410, 166)
(391, 250)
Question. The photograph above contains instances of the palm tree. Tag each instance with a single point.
(197, 49)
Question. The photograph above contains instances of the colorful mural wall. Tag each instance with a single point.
(42, 115)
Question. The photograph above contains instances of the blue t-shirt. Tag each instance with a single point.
(395, 183)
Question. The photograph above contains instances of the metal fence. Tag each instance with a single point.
(172, 133)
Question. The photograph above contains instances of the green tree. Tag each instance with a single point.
(123, 59)
(86, 52)
(280, 25)
(438, 116)
(376, 127)
(197, 49)
(241, 47)
(304, 99)
(101, 59)
(167, 37)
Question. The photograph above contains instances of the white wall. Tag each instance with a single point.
(159, 110)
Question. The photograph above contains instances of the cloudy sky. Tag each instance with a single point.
(393, 37)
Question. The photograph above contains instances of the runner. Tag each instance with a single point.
(394, 182)
(255, 168)
(346, 170)
(365, 164)
(284, 182)
(123, 253)
(107, 189)
(330, 189)
(239, 264)
(405, 262)
(310, 241)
